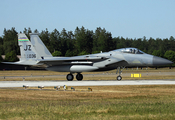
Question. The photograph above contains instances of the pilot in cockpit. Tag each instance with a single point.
(132, 51)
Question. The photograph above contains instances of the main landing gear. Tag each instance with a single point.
(119, 71)
(70, 77)
(79, 76)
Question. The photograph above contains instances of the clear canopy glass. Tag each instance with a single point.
(130, 50)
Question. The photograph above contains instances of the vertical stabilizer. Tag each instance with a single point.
(39, 46)
(28, 53)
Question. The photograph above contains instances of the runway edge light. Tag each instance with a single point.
(41, 87)
(25, 86)
(72, 88)
(89, 89)
(56, 87)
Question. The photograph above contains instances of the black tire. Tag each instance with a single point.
(79, 77)
(119, 78)
(70, 77)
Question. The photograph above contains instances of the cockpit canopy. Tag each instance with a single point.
(130, 50)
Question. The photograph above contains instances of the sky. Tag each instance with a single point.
(124, 18)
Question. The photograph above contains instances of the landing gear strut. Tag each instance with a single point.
(79, 76)
(119, 71)
(70, 77)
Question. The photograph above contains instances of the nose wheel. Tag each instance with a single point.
(79, 76)
(119, 78)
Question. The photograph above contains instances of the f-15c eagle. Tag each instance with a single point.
(35, 53)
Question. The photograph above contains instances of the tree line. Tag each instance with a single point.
(83, 41)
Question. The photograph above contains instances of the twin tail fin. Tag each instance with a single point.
(32, 51)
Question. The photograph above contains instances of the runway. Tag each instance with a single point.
(5, 84)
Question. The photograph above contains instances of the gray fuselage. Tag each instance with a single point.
(126, 57)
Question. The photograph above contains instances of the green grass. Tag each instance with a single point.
(84, 110)
(104, 102)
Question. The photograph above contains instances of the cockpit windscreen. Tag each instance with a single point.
(131, 50)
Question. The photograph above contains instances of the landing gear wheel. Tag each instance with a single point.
(119, 78)
(79, 77)
(70, 77)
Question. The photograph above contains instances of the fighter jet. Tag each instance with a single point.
(34, 53)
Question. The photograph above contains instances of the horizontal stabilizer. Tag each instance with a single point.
(20, 63)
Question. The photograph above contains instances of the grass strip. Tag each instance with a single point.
(104, 102)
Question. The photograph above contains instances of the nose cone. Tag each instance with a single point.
(157, 61)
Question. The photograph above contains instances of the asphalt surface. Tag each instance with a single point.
(5, 84)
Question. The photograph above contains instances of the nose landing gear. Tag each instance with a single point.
(119, 71)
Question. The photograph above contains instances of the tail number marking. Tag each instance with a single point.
(31, 55)
(28, 47)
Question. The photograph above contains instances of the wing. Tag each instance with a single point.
(71, 60)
